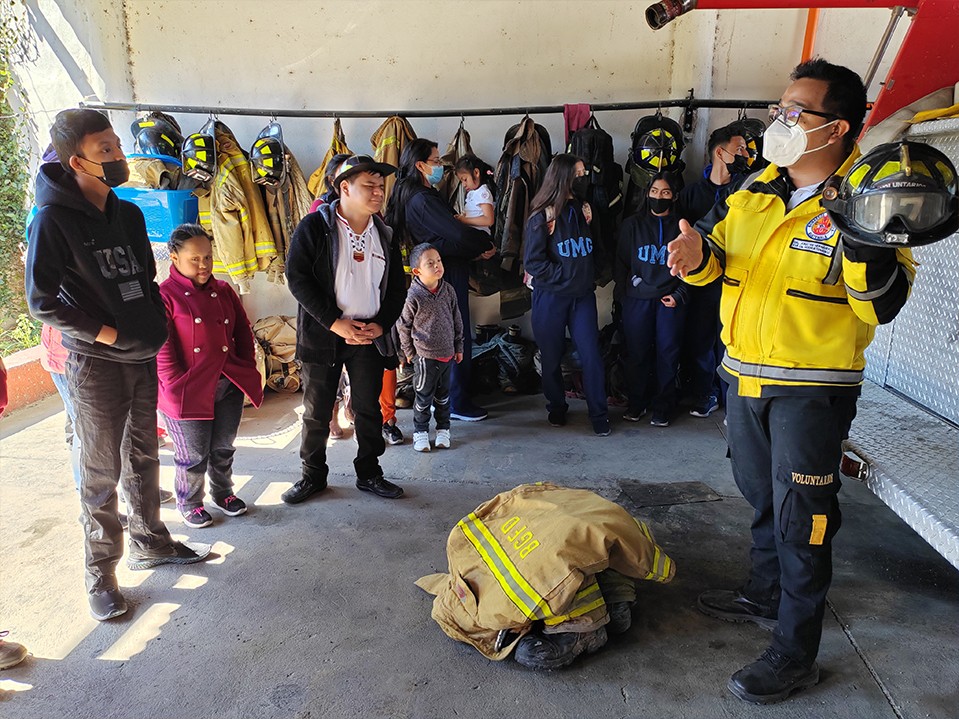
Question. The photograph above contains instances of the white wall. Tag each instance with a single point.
(422, 54)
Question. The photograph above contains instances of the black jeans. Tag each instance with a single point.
(431, 382)
(785, 459)
(365, 366)
(115, 407)
(206, 445)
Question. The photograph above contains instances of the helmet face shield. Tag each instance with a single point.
(898, 194)
(918, 212)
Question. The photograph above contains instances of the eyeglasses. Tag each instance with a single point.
(789, 114)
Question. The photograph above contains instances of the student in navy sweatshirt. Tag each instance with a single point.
(654, 303)
(559, 255)
(90, 273)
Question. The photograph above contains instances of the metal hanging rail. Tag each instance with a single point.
(688, 103)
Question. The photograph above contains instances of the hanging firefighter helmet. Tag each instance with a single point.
(657, 143)
(156, 134)
(199, 154)
(898, 194)
(751, 129)
(268, 156)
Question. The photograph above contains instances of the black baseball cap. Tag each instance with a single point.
(360, 163)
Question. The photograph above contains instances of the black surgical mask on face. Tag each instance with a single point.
(738, 166)
(115, 172)
(659, 205)
(580, 187)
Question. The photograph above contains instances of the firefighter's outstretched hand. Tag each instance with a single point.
(685, 252)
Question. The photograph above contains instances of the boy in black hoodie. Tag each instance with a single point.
(90, 273)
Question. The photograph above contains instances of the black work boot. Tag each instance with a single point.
(733, 606)
(553, 651)
(772, 678)
(620, 617)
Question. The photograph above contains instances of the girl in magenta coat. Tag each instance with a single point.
(205, 368)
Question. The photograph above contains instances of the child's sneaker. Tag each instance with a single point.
(231, 506)
(421, 441)
(197, 518)
(442, 439)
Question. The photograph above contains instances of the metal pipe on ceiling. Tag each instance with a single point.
(691, 103)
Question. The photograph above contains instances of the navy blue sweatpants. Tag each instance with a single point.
(552, 315)
(702, 351)
(654, 337)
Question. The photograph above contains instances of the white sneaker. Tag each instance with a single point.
(442, 439)
(421, 441)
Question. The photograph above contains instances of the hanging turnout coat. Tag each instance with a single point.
(532, 554)
(338, 146)
(450, 187)
(286, 205)
(388, 142)
(242, 240)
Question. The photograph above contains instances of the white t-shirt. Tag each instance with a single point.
(474, 198)
(359, 269)
(800, 195)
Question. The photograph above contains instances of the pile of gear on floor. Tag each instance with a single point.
(544, 574)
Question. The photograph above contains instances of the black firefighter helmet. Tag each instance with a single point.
(657, 143)
(199, 154)
(157, 134)
(751, 129)
(268, 156)
(899, 194)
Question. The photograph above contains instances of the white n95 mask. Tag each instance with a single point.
(784, 146)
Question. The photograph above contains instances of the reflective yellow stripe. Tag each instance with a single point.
(580, 611)
(491, 564)
(657, 573)
(227, 167)
(245, 264)
(537, 601)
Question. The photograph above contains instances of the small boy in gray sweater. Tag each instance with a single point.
(431, 336)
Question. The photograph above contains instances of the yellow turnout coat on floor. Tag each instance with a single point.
(531, 554)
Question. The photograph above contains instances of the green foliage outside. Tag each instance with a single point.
(17, 329)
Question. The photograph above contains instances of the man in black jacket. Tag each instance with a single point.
(90, 273)
(346, 273)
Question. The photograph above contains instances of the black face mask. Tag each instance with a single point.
(580, 187)
(738, 166)
(659, 205)
(115, 172)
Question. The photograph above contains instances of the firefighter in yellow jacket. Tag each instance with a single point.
(800, 303)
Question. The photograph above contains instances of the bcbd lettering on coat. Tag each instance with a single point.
(521, 539)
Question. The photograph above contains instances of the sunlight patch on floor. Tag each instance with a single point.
(145, 629)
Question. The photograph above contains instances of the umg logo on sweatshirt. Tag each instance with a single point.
(575, 247)
(652, 254)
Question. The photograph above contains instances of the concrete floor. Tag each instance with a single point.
(310, 611)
